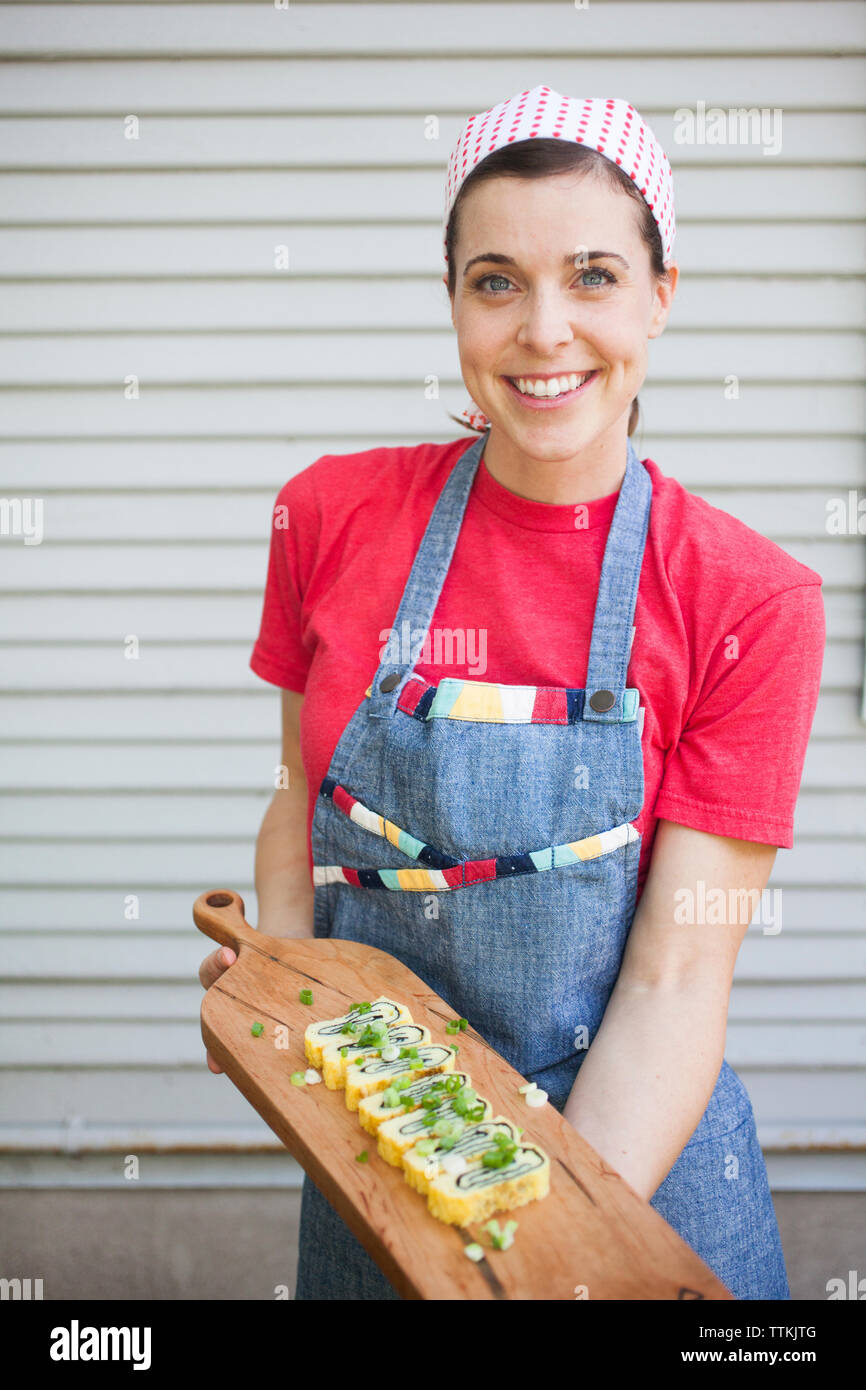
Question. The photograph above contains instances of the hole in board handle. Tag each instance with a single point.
(219, 900)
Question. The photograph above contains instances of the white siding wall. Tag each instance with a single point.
(154, 258)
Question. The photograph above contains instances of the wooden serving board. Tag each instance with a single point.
(591, 1237)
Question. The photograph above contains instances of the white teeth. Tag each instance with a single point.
(530, 386)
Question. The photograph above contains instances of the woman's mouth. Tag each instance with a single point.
(545, 393)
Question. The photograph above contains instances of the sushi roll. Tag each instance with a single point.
(376, 1109)
(420, 1169)
(476, 1193)
(334, 1064)
(397, 1136)
(326, 1030)
(374, 1074)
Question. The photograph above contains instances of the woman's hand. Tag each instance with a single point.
(210, 970)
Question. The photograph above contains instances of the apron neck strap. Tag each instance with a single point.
(614, 610)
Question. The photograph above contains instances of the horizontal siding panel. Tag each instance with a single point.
(221, 141)
(240, 516)
(40, 910)
(144, 1097)
(420, 304)
(160, 716)
(49, 1002)
(83, 1156)
(120, 817)
(226, 617)
(151, 1099)
(409, 358)
(226, 667)
(70, 465)
(161, 861)
(132, 955)
(335, 194)
(124, 817)
(453, 83)
(369, 248)
(221, 666)
(141, 31)
(86, 1155)
(246, 411)
(73, 1044)
(227, 765)
(186, 617)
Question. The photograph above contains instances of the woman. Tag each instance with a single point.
(515, 710)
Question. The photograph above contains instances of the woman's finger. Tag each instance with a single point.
(215, 965)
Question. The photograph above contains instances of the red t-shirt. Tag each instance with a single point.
(727, 651)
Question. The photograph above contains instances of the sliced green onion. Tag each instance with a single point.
(344, 1051)
(299, 1078)
(465, 1099)
(362, 1156)
(257, 1030)
(474, 1251)
(502, 1154)
(373, 1035)
(448, 1125)
(452, 1027)
(390, 1097)
(501, 1240)
(426, 1146)
(464, 1024)
(306, 996)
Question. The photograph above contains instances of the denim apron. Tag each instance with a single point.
(482, 834)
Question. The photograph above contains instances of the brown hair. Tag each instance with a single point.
(533, 159)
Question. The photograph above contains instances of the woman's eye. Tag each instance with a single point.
(488, 280)
(605, 276)
(498, 284)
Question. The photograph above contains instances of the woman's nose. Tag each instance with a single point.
(547, 322)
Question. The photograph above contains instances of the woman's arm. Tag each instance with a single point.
(283, 885)
(652, 1066)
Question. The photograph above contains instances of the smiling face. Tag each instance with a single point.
(553, 280)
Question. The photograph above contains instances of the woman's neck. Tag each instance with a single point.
(595, 472)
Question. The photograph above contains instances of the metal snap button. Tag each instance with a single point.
(389, 682)
(602, 700)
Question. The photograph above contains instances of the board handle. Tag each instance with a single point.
(220, 915)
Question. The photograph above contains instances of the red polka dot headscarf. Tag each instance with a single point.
(607, 124)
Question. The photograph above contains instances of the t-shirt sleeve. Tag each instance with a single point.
(279, 654)
(737, 767)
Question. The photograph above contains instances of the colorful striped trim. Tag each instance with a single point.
(443, 871)
(490, 702)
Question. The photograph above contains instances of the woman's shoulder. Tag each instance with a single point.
(708, 551)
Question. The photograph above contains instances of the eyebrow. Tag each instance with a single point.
(567, 260)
